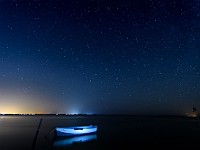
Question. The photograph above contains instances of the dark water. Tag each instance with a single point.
(114, 132)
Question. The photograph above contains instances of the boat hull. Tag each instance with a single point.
(75, 130)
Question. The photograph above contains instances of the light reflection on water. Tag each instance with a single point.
(70, 141)
(17, 132)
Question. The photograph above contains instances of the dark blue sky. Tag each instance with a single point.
(99, 56)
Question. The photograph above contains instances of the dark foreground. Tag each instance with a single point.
(114, 132)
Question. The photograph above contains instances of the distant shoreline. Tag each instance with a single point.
(65, 115)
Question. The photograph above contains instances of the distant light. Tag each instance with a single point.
(74, 112)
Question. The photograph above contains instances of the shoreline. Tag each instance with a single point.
(96, 115)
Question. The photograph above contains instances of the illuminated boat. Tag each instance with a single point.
(75, 130)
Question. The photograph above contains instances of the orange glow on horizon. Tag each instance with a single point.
(24, 104)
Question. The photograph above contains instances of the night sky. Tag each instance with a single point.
(99, 56)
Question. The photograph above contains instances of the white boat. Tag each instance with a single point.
(75, 130)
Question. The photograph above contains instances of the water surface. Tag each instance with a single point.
(114, 132)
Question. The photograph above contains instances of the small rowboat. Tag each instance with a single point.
(75, 130)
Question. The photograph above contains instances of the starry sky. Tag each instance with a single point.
(99, 56)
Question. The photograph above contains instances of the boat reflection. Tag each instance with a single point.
(69, 141)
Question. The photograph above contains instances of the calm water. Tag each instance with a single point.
(114, 132)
